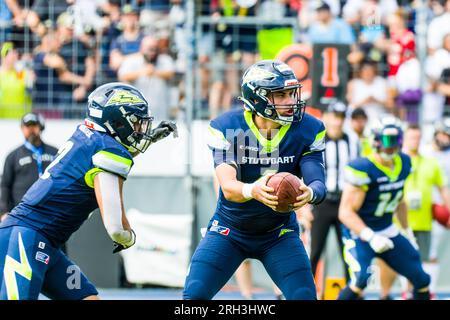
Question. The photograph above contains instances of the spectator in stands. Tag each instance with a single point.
(45, 12)
(353, 10)
(47, 65)
(409, 90)
(326, 28)
(368, 91)
(438, 28)
(442, 84)
(371, 32)
(87, 18)
(401, 44)
(154, 17)
(130, 39)
(78, 78)
(149, 71)
(235, 44)
(435, 69)
(307, 10)
(110, 12)
(18, 29)
(14, 94)
(6, 21)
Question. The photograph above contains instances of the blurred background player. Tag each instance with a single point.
(373, 193)
(426, 175)
(88, 173)
(25, 164)
(272, 135)
(339, 150)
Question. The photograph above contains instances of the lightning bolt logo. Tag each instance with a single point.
(12, 267)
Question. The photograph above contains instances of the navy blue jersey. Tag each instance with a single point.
(235, 140)
(383, 186)
(62, 199)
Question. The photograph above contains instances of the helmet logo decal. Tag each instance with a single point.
(124, 97)
(282, 67)
(256, 74)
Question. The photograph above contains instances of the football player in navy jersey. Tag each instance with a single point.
(374, 192)
(271, 134)
(87, 173)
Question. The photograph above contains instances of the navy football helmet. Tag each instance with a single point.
(121, 111)
(387, 137)
(264, 78)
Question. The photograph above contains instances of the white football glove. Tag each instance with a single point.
(126, 244)
(409, 234)
(377, 242)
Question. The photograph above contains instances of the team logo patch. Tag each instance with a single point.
(219, 229)
(42, 257)
(284, 231)
(256, 74)
(124, 97)
(41, 245)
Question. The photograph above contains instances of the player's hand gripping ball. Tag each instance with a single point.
(286, 187)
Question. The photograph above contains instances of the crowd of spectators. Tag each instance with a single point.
(54, 52)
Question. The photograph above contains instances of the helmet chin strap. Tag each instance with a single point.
(284, 121)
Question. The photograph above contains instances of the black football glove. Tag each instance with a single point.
(163, 130)
(119, 247)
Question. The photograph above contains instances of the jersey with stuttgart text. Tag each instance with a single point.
(63, 197)
(234, 139)
(384, 187)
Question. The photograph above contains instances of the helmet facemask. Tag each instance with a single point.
(271, 109)
(132, 130)
(297, 107)
(140, 138)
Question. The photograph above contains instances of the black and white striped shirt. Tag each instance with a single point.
(337, 154)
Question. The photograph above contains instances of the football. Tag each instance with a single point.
(286, 187)
(441, 215)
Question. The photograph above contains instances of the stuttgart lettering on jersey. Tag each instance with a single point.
(392, 186)
(262, 161)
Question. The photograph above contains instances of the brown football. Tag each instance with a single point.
(286, 187)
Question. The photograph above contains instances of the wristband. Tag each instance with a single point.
(247, 190)
(312, 194)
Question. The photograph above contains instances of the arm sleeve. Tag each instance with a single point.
(6, 185)
(112, 208)
(221, 148)
(313, 168)
(313, 171)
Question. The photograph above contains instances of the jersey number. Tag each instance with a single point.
(61, 153)
(386, 205)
